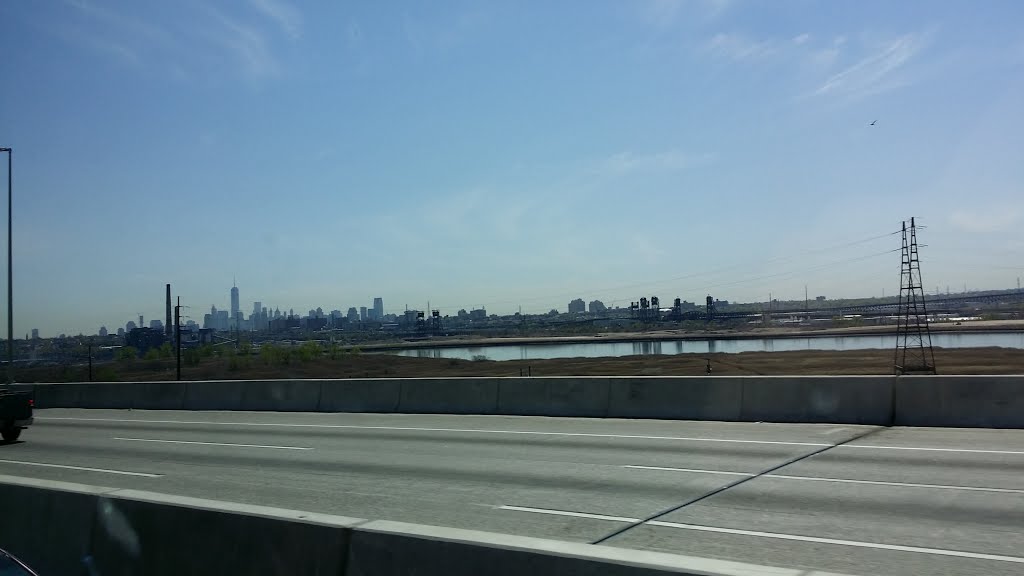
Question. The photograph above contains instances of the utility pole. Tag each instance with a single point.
(177, 336)
(10, 270)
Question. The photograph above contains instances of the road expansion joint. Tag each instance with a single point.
(739, 481)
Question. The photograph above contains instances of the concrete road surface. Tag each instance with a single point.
(852, 499)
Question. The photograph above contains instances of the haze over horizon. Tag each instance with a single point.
(484, 154)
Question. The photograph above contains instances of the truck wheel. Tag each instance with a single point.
(10, 434)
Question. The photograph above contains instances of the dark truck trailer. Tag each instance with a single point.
(15, 413)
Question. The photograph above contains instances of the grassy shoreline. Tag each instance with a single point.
(992, 360)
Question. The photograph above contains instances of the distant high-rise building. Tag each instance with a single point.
(353, 314)
(577, 306)
(256, 308)
(35, 333)
(234, 302)
(120, 332)
(378, 309)
(103, 331)
(362, 313)
(597, 307)
(156, 325)
(130, 326)
(319, 312)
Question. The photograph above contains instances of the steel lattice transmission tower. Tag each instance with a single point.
(914, 354)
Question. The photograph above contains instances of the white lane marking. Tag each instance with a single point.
(900, 484)
(854, 543)
(838, 480)
(213, 444)
(964, 450)
(567, 513)
(667, 469)
(67, 467)
(458, 430)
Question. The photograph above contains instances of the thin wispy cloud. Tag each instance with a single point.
(285, 15)
(666, 161)
(118, 36)
(664, 13)
(250, 48)
(875, 73)
(987, 221)
(739, 47)
(179, 49)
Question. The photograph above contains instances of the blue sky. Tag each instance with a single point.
(503, 153)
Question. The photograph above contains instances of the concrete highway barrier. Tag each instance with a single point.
(214, 395)
(158, 395)
(844, 399)
(281, 395)
(689, 398)
(65, 528)
(47, 523)
(56, 395)
(106, 395)
(369, 395)
(960, 401)
(973, 401)
(553, 396)
(449, 395)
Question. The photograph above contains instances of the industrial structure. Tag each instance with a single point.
(914, 354)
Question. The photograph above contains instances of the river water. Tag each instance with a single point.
(605, 349)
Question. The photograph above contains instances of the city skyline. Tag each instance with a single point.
(364, 313)
(498, 155)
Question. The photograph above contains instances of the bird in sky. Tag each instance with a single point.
(872, 122)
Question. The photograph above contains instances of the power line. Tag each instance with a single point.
(776, 259)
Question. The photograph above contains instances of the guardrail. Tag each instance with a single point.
(956, 401)
(64, 528)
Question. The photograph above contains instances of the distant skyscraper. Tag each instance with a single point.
(256, 308)
(353, 314)
(378, 309)
(362, 313)
(35, 333)
(129, 326)
(156, 325)
(234, 302)
(120, 332)
(577, 306)
(103, 330)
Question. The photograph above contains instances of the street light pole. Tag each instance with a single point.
(10, 273)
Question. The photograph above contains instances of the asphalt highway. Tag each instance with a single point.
(849, 499)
